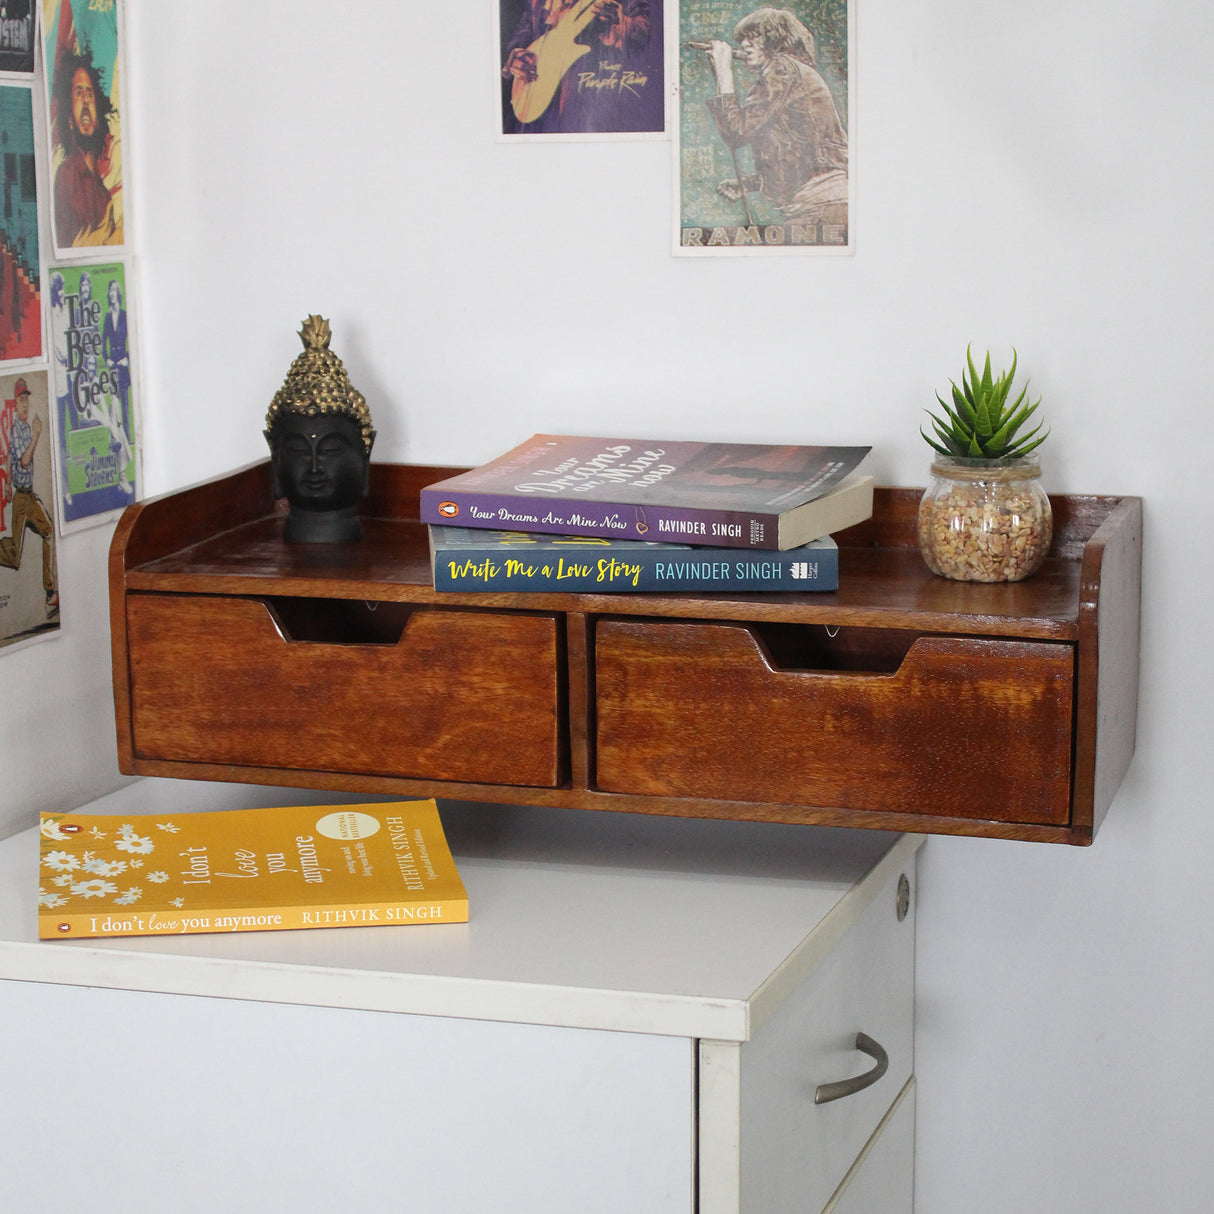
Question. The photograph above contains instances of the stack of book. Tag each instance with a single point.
(622, 515)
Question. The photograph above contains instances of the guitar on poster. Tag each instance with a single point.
(581, 66)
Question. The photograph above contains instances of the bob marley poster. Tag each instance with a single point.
(761, 142)
(590, 69)
(80, 42)
(29, 592)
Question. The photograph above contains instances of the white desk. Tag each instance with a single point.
(636, 1017)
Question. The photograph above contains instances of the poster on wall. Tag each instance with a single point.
(761, 137)
(581, 69)
(17, 36)
(94, 414)
(20, 272)
(29, 579)
(81, 54)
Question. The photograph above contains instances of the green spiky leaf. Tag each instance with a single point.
(980, 424)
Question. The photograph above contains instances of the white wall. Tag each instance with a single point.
(1029, 173)
(57, 740)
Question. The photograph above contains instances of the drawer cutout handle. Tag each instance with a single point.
(338, 621)
(849, 1087)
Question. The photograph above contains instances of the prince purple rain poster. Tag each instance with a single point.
(589, 69)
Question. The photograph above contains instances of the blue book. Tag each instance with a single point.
(472, 559)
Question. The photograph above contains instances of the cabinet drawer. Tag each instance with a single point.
(883, 1178)
(446, 695)
(337, 1110)
(964, 727)
(766, 1143)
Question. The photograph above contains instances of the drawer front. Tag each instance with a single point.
(964, 727)
(795, 1152)
(765, 1143)
(339, 1110)
(882, 1180)
(461, 695)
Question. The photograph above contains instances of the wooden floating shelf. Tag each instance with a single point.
(901, 701)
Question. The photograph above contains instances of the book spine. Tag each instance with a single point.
(605, 520)
(121, 922)
(633, 571)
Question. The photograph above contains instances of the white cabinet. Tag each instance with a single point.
(779, 1148)
(637, 1016)
(129, 1101)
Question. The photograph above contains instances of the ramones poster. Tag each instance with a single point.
(762, 138)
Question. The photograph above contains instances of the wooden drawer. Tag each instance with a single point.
(766, 1144)
(955, 726)
(1005, 711)
(397, 691)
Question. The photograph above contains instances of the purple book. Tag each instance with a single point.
(723, 495)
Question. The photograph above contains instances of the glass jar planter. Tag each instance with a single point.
(985, 520)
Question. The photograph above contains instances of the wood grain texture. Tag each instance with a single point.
(172, 521)
(567, 796)
(895, 522)
(529, 712)
(580, 666)
(1107, 672)
(461, 696)
(962, 725)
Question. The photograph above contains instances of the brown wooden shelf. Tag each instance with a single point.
(900, 701)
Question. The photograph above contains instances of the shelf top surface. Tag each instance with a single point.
(588, 920)
(878, 587)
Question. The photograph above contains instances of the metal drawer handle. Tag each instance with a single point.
(849, 1087)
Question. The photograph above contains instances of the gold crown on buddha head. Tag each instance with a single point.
(317, 383)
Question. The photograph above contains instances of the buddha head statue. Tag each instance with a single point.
(320, 436)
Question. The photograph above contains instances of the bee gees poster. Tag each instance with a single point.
(581, 69)
(761, 140)
(94, 410)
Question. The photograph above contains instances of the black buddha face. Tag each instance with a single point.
(320, 467)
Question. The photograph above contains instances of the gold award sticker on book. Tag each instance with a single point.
(246, 870)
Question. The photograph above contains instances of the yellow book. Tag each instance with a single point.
(246, 870)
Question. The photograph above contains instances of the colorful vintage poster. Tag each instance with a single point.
(29, 582)
(95, 424)
(20, 275)
(581, 69)
(761, 139)
(17, 36)
(82, 58)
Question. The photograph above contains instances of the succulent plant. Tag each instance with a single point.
(980, 424)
